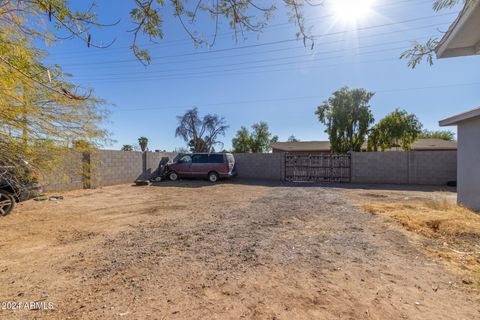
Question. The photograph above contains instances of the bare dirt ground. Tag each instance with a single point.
(191, 250)
(434, 223)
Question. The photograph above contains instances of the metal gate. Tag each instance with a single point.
(317, 167)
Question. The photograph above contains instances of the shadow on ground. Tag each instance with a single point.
(192, 183)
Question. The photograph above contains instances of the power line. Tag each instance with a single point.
(195, 75)
(223, 72)
(256, 72)
(289, 48)
(453, 85)
(224, 34)
(161, 72)
(265, 43)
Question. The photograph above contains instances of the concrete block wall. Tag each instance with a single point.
(153, 159)
(68, 177)
(267, 166)
(379, 167)
(412, 167)
(122, 167)
(110, 167)
(107, 167)
(116, 167)
(432, 167)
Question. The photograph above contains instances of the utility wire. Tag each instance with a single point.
(166, 43)
(236, 73)
(262, 44)
(208, 67)
(226, 103)
(203, 74)
(279, 49)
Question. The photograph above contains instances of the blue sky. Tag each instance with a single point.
(267, 78)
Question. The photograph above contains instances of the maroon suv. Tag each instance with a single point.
(203, 165)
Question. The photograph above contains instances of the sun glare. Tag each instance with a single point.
(352, 10)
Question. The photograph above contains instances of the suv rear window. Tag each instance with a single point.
(216, 158)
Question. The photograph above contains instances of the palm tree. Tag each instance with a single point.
(127, 147)
(143, 142)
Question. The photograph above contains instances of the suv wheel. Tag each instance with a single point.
(7, 202)
(173, 176)
(213, 177)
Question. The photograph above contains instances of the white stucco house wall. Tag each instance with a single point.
(468, 157)
(463, 39)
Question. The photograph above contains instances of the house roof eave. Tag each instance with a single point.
(467, 18)
(456, 119)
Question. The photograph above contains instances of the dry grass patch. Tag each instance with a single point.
(454, 229)
(432, 219)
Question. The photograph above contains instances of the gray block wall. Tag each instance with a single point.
(153, 159)
(267, 166)
(412, 167)
(116, 167)
(68, 177)
(432, 167)
(110, 167)
(107, 167)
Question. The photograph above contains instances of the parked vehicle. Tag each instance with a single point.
(212, 166)
(15, 187)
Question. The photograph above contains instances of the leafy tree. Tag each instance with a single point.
(127, 147)
(440, 134)
(373, 141)
(242, 141)
(55, 112)
(397, 129)
(292, 139)
(421, 51)
(200, 134)
(143, 143)
(261, 138)
(347, 117)
(199, 145)
(82, 145)
(257, 141)
(42, 113)
(49, 21)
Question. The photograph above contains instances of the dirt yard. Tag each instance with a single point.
(191, 250)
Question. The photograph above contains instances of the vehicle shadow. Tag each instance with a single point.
(195, 183)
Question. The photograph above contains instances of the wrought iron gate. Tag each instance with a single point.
(318, 168)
